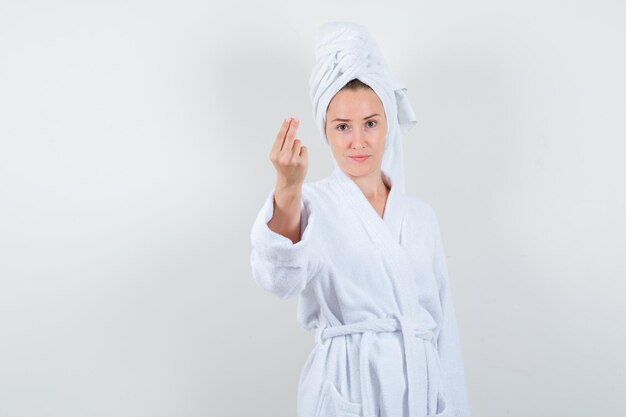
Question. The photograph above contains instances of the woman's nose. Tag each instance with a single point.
(357, 140)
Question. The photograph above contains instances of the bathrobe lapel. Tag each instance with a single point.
(385, 234)
(386, 230)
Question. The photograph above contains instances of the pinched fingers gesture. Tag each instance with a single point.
(288, 155)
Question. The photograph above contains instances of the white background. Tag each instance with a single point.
(134, 156)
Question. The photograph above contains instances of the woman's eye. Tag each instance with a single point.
(372, 121)
(339, 126)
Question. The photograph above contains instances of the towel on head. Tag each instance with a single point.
(344, 51)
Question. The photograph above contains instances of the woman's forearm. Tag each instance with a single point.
(287, 217)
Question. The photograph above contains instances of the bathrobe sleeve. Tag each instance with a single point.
(448, 342)
(278, 265)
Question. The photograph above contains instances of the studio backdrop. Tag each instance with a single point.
(134, 157)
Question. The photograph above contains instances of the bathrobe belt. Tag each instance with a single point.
(416, 366)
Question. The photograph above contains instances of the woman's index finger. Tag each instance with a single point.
(282, 133)
(291, 133)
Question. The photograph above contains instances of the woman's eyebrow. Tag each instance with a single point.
(347, 120)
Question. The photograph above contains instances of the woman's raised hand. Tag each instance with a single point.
(289, 156)
(290, 159)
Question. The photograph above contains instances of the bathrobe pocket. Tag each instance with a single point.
(333, 404)
(443, 408)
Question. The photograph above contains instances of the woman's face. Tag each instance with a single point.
(356, 125)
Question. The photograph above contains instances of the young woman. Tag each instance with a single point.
(365, 259)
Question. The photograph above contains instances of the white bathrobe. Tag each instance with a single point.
(376, 294)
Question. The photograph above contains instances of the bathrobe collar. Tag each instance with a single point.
(390, 225)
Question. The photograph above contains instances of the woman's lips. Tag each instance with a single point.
(360, 158)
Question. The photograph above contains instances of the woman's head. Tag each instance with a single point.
(356, 124)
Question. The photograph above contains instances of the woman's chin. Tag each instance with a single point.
(358, 171)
